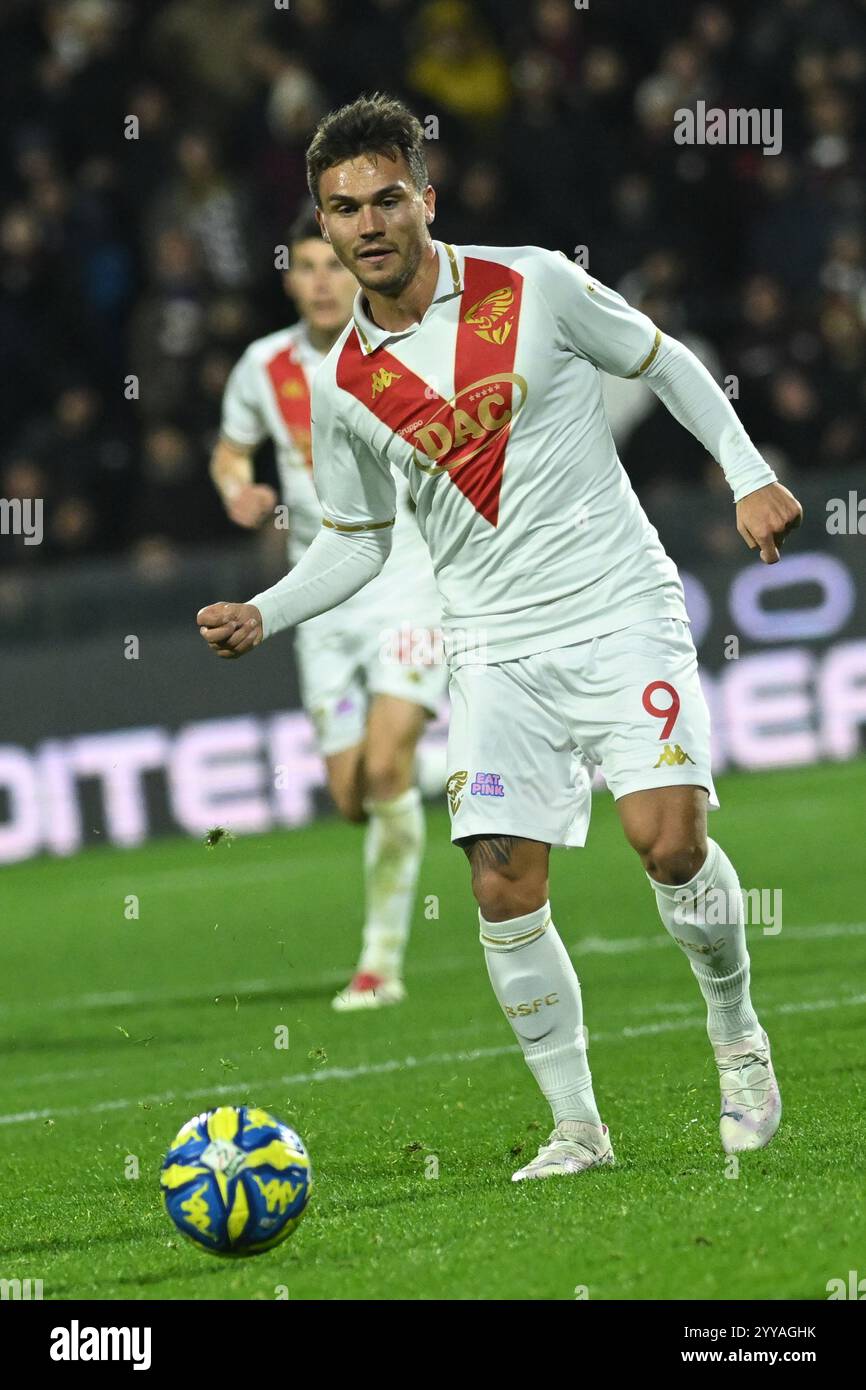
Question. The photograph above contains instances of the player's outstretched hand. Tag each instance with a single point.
(230, 629)
(252, 504)
(765, 517)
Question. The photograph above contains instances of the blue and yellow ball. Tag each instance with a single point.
(236, 1181)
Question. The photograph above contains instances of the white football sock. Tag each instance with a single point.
(705, 918)
(393, 848)
(537, 986)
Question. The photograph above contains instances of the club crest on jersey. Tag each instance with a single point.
(487, 784)
(673, 757)
(484, 316)
(454, 787)
(381, 380)
(293, 390)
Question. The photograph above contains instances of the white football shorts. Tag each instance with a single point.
(358, 650)
(526, 736)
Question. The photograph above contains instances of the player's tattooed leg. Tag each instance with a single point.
(509, 874)
(487, 851)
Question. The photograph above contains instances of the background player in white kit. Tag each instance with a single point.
(494, 413)
(367, 698)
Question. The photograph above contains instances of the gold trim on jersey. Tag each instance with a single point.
(455, 269)
(361, 526)
(649, 359)
(367, 346)
(365, 341)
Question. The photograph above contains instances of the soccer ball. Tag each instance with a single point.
(236, 1181)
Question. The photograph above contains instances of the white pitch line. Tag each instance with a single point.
(112, 999)
(584, 946)
(410, 1063)
(206, 876)
(51, 1078)
(624, 945)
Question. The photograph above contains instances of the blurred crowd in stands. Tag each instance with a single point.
(152, 257)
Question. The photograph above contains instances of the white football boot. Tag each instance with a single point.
(751, 1103)
(367, 990)
(572, 1147)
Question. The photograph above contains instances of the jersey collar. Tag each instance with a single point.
(449, 283)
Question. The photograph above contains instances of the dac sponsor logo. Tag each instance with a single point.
(442, 447)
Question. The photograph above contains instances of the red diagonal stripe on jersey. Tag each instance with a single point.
(420, 415)
(289, 381)
(491, 300)
(388, 388)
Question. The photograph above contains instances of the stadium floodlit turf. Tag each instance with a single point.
(115, 1030)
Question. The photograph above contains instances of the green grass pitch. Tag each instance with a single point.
(115, 1030)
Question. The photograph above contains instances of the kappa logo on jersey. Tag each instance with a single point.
(454, 787)
(381, 380)
(673, 757)
(487, 784)
(483, 316)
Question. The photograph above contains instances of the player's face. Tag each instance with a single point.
(376, 220)
(321, 287)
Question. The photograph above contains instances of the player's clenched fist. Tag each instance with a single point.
(230, 629)
(765, 517)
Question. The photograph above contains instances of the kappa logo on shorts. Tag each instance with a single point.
(454, 787)
(673, 757)
(487, 784)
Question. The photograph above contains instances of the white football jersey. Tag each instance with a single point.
(491, 407)
(268, 394)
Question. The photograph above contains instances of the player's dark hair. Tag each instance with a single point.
(376, 124)
(304, 227)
